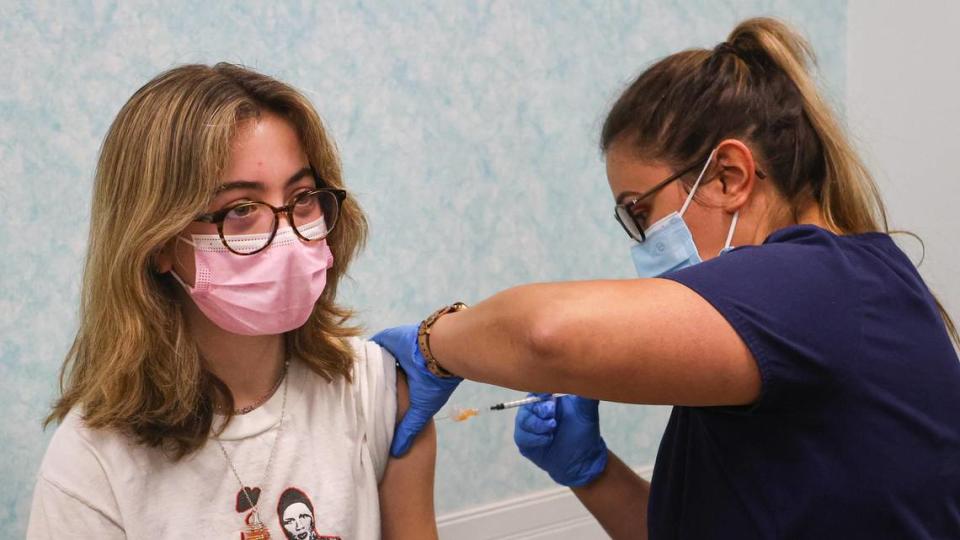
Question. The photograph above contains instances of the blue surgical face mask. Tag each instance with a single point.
(669, 244)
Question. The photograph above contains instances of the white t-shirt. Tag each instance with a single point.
(330, 456)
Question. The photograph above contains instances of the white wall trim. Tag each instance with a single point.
(542, 514)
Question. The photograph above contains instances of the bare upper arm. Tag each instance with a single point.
(642, 341)
(406, 490)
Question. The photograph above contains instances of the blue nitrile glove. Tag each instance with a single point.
(562, 437)
(428, 393)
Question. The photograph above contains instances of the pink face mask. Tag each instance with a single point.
(270, 292)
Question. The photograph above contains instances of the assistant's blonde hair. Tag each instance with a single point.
(755, 86)
(133, 365)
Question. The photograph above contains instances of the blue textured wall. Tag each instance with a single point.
(468, 131)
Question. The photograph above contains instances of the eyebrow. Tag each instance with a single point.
(250, 184)
(660, 185)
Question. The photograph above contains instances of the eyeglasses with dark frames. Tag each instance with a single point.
(625, 211)
(249, 227)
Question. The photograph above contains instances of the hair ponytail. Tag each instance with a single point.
(756, 87)
(848, 196)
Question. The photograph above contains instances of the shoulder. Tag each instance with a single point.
(805, 245)
(796, 301)
(375, 381)
(75, 443)
(372, 360)
(79, 460)
(802, 263)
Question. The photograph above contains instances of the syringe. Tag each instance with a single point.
(521, 402)
(460, 414)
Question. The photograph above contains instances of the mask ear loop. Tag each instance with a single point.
(186, 241)
(176, 255)
(696, 184)
(733, 227)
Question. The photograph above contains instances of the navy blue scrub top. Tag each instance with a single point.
(856, 433)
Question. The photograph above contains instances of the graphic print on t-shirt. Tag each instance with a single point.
(246, 501)
(295, 512)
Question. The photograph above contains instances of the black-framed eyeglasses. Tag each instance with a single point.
(249, 227)
(625, 212)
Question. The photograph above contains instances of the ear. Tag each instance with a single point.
(737, 173)
(162, 258)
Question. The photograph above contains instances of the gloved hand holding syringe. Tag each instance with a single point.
(460, 414)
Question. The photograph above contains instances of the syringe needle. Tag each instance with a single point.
(460, 414)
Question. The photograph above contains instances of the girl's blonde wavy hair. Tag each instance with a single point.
(133, 365)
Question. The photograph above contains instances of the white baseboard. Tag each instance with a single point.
(535, 516)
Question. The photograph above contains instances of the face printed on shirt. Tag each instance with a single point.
(297, 521)
(295, 512)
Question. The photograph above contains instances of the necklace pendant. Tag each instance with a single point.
(256, 531)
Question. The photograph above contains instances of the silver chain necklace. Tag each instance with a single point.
(256, 529)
